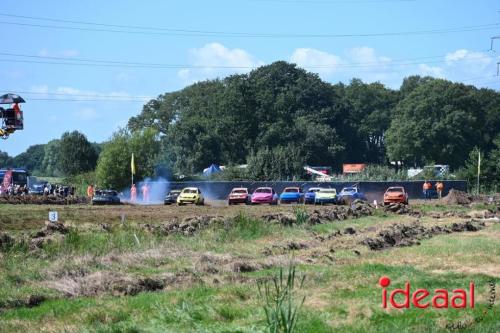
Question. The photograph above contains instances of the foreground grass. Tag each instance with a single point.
(341, 296)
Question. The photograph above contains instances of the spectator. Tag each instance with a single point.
(439, 189)
(427, 187)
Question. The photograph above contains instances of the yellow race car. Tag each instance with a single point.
(326, 195)
(190, 195)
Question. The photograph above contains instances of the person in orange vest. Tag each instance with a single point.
(133, 193)
(90, 192)
(145, 192)
(18, 114)
(427, 187)
(439, 189)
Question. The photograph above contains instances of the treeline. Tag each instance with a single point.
(279, 117)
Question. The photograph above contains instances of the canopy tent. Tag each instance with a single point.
(214, 168)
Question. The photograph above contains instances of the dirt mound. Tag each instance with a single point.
(42, 200)
(52, 232)
(357, 209)
(398, 208)
(6, 242)
(400, 235)
(113, 283)
(456, 197)
(188, 227)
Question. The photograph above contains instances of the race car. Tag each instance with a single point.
(395, 194)
(238, 195)
(171, 197)
(310, 195)
(190, 195)
(264, 195)
(349, 194)
(292, 194)
(325, 195)
(106, 197)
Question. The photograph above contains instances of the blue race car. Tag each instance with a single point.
(292, 194)
(310, 195)
(349, 194)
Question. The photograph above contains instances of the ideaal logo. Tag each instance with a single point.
(421, 298)
(440, 298)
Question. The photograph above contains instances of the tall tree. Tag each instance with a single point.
(76, 154)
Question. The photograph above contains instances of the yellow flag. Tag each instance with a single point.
(132, 165)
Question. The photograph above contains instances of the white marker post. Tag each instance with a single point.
(53, 217)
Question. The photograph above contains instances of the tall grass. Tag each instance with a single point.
(281, 307)
(243, 227)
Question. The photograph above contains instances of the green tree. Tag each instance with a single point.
(76, 154)
(31, 159)
(437, 121)
(50, 163)
(5, 160)
(113, 168)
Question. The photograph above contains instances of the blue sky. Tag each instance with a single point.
(304, 32)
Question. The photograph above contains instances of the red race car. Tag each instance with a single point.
(396, 194)
(239, 195)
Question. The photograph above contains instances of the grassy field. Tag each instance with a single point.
(103, 275)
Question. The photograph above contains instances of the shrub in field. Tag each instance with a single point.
(301, 215)
(281, 306)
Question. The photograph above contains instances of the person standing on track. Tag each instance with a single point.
(426, 188)
(145, 192)
(439, 189)
(90, 192)
(133, 193)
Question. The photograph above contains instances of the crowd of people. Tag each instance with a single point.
(58, 190)
(14, 190)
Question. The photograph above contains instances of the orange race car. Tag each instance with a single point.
(395, 194)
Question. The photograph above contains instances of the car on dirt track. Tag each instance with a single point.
(106, 197)
(325, 196)
(349, 194)
(395, 194)
(292, 194)
(310, 195)
(190, 195)
(171, 197)
(238, 195)
(264, 195)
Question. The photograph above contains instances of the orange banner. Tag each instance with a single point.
(353, 168)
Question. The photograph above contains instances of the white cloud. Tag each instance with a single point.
(469, 62)
(318, 61)
(40, 89)
(435, 71)
(217, 55)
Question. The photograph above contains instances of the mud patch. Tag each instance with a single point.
(400, 235)
(188, 227)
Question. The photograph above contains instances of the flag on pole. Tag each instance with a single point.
(479, 164)
(132, 165)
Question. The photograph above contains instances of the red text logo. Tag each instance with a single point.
(422, 298)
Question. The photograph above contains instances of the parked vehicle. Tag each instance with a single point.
(36, 189)
(325, 196)
(292, 194)
(239, 195)
(171, 197)
(395, 194)
(190, 195)
(106, 197)
(349, 194)
(264, 195)
(310, 195)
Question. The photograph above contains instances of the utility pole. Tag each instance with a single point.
(492, 40)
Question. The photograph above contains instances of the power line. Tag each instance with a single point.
(96, 95)
(143, 30)
(330, 2)
(124, 64)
